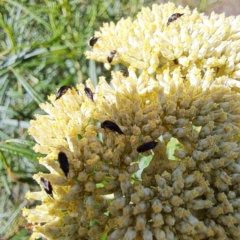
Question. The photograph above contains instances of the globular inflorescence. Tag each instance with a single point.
(181, 85)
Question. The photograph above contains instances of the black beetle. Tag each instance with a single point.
(146, 146)
(89, 93)
(174, 17)
(63, 161)
(124, 73)
(111, 55)
(61, 91)
(47, 186)
(92, 41)
(111, 126)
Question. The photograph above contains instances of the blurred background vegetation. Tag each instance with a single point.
(41, 48)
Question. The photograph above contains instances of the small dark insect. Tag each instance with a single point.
(174, 17)
(146, 146)
(47, 186)
(61, 91)
(111, 126)
(89, 93)
(124, 73)
(93, 40)
(111, 55)
(175, 61)
(63, 161)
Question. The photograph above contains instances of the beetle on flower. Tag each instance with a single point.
(183, 85)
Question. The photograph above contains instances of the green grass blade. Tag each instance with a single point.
(3, 86)
(16, 123)
(20, 150)
(23, 234)
(35, 95)
(93, 72)
(31, 13)
(3, 135)
(21, 141)
(8, 111)
(8, 30)
(13, 216)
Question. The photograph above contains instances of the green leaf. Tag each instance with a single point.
(8, 111)
(8, 30)
(20, 150)
(31, 13)
(4, 136)
(93, 72)
(3, 86)
(79, 136)
(21, 141)
(22, 235)
(35, 95)
(13, 217)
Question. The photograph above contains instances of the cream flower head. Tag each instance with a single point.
(183, 85)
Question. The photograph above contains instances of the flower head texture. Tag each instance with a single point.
(182, 84)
